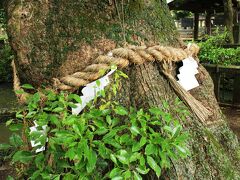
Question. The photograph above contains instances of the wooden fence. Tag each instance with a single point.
(226, 81)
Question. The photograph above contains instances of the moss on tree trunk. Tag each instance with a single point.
(53, 38)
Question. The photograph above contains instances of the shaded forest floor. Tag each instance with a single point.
(233, 117)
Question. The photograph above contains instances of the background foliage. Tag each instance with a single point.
(212, 51)
(6, 54)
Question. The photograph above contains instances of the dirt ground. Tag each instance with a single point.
(233, 117)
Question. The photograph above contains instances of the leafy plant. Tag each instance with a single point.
(105, 141)
(6, 53)
(213, 52)
(6, 56)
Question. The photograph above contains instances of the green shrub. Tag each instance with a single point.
(6, 56)
(212, 51)
(105, 141)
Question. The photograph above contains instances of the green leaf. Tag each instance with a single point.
(126, 139)
(69, 176)
(135, 157)
(103, 151)
(117, 178)
(31, 114)
(113, 158)
(176, 131)
(4, 146)
(150, 149)
(39, 161)
(54, 120)
(22, 156)
(10, 178)
(181, 149)
(9, 122)
(71, 153)
(15, 127)
(123, 74)
(137, 176)
(19, 115)
(58, 177)
(92, 159)
(152, 163)
(36, 97)
(70, 120)
(109, 119)
(182, 138)
(120, 110)
(143, 141)
(76, 97)
(134, 130)
(168, 128)
(123, 157)
(142, 170)
(142, 160)
(116, 172)
(98, 82)
(136, 147)
(156, 111)
(127, 174)
(27, 86)
(15, 140)
(19, 91)
(58, 109)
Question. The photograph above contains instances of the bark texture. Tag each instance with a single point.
(53, 38)
(228, 13)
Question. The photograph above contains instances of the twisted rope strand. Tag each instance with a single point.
(122, 57)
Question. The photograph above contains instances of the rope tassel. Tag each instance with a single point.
(196, 106)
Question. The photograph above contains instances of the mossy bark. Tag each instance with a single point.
(56, 37)
(53, 38)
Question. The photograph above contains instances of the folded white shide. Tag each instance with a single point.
(187, 74)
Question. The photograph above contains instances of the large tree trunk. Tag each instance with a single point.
(53, 38)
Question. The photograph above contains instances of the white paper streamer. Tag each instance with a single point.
(91, 91)
(34, 129)
(187, 74)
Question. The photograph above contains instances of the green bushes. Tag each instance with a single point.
(212, 51)
(105, 141)
(6, 56)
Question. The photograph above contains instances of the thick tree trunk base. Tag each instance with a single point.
(215, 152)
(57, 37)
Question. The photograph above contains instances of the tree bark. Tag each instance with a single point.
(196, 26)
(228, 13)
(208, 23)
(53, 38)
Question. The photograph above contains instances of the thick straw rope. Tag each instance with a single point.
(122, 57)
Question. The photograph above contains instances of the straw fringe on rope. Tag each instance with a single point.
(22, 97)
(196, 107)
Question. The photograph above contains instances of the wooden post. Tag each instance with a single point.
(217, 81)
(236, 90)
(208, 23)
(229, 15)
(196, 26)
